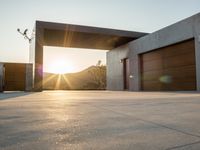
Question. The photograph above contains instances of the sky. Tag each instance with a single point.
(134, 15)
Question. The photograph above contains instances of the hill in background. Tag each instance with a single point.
(92, 78)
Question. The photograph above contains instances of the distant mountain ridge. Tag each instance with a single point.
(92, 78)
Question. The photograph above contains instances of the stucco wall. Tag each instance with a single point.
(115, 67)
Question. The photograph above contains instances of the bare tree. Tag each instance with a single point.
(98, 74)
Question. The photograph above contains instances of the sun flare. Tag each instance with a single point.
(60, 67)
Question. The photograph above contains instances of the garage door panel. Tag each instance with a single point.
(177, 80)
(153, 65)
(179, 61)
(181, 86)
(179, 49)
(152, 75)
(154, 55)
(180, 81)
(152, 86)
(182, 72)
(170, 68)
(15, 76)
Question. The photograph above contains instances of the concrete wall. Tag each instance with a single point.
(68, 35)
(183, 30)
(29, 77)
(1, 77)
(37, 58)
(196, 32)
(115, 67)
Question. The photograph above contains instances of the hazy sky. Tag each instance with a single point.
(134, 15)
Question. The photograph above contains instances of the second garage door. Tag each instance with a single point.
(15, 77)
(169, 69)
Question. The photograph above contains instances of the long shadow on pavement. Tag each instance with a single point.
(8, 95)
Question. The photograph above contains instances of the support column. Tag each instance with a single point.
(197, 55)
(38, 80)
(135, 82)
(29, 77)
(38, 64)
(196, 30)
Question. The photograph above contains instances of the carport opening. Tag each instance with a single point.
(74, 69)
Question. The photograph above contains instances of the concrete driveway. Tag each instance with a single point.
(87, 120)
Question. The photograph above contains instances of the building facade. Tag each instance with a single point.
(166, 60)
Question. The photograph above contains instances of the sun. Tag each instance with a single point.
(60, 67)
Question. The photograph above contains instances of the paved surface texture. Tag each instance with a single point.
(87, 120)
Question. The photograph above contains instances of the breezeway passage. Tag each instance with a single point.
(100, 120)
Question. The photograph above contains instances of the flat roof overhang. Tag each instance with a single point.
(77, 36)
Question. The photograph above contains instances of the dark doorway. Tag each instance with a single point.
(126, 72)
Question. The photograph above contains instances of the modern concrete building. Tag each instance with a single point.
(67, 35)
(168, 59)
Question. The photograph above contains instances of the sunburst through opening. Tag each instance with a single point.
(60, 67)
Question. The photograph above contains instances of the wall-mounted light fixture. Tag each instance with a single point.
(131, 76)
(121, 60)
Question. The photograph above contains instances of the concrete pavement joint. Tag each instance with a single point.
(185, 145)
(148, 121)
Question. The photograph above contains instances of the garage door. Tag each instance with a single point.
(15, 75)
(170, 68)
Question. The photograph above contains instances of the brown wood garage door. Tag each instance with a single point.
(15, 76)
(170, 68)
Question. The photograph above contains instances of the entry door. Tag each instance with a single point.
(126, 73)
